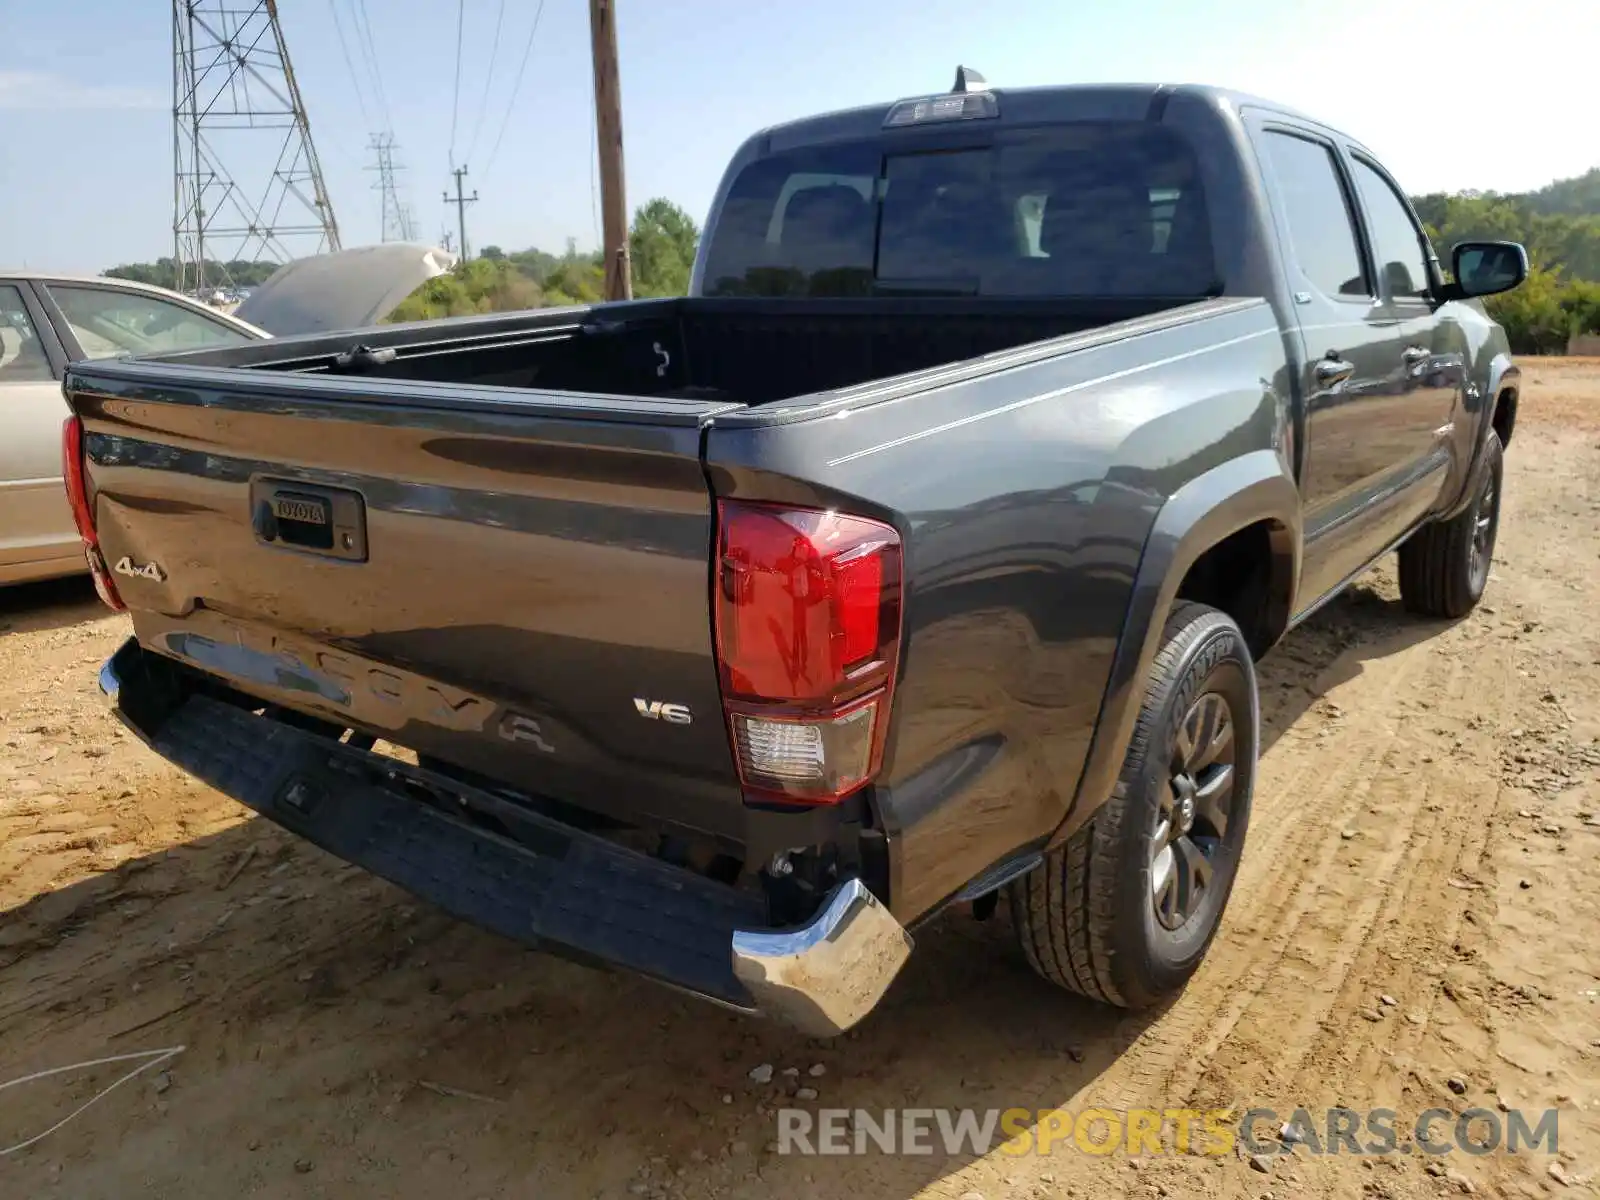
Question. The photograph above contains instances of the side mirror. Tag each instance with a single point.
(1486, 268)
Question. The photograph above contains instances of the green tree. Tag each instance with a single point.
(164, 272)
(1570, 241)
(481, 286)
(1534, 319)
(576, 279)
(662, 245)
(1560, 226)
(1580, 300)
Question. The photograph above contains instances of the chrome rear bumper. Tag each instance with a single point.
(826, 976)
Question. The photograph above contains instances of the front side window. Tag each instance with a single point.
(22, 358)
(1106, 209)
(1396, 240)
(108, 322)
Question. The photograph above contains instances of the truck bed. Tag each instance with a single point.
(740, 351)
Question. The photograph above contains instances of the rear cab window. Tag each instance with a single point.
(1087, 209)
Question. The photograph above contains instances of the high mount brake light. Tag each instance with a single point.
(83, 510)
(974, 106)
(808, 636)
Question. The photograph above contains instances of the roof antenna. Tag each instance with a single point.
(968, 80)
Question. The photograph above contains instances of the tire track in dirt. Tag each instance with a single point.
(1345, 901)
(1296, 821)
(1430, 890)
(1437, 887)
(1287, 1019)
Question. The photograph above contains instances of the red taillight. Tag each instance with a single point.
(808, 633)
(83, 510)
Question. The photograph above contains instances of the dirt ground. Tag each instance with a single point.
(1425, 832)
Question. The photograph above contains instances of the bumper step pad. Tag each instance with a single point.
(555, 888)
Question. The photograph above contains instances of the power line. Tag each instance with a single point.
(370, 51)
(455, 103)
(349, 65)
(505, 120)
(488, 80)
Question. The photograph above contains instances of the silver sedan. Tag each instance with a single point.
(47, 321)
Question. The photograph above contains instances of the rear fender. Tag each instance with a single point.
(1231, 496)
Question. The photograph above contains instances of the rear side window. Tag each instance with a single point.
(22, 358)
(1081, 210)
(110, 321)
(1320, 225)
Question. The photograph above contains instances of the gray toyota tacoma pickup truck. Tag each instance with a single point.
(923, 553)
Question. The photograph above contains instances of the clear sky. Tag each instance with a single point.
(1454, 94)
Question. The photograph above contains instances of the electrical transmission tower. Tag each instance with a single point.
(246, 181)
(397, 223)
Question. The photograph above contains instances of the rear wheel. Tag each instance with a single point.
(1123, 912)
(1444, 566)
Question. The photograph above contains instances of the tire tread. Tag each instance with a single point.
(1435, 575)
(1065, 911)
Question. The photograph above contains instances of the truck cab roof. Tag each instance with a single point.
(1029, 105)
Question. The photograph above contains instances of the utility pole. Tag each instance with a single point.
(608, 128)
(461, 203)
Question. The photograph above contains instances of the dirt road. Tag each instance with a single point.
(1425, 831)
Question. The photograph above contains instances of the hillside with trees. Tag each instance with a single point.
(164, 272)
(1560, 226)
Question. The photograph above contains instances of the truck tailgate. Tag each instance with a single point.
(517, 584)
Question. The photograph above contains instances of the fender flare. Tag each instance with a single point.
(1253, 487)
(1503, 373)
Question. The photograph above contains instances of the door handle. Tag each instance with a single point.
(1331, 370)
(1415, 355)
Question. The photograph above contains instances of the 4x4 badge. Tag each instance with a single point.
(125, 566)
